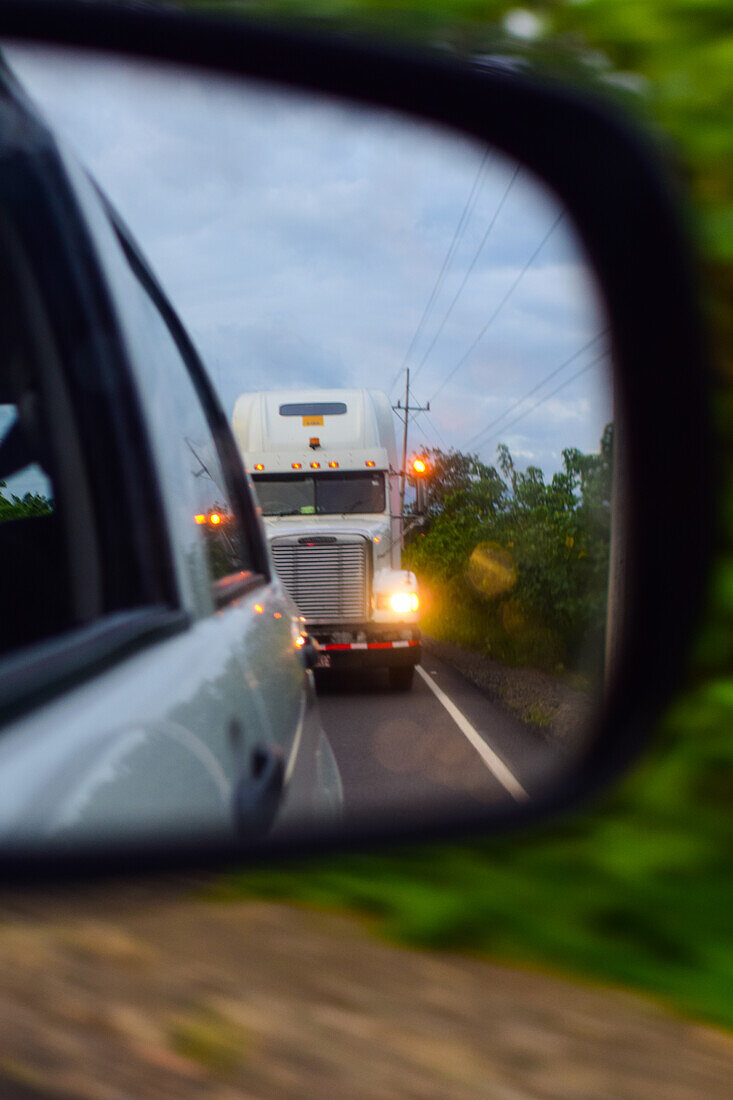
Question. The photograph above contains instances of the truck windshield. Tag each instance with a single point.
(322, 494)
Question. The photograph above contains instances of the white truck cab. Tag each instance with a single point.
(325, 468)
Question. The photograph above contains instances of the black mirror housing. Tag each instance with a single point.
(629, 218)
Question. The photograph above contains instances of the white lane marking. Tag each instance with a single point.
(496, 766)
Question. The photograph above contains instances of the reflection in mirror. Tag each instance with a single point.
(408, 342)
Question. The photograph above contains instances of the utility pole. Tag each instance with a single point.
(405, 414)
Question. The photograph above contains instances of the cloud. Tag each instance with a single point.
(300, 241)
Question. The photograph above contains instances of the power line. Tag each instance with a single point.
(424, 434)
(566, 363)
(424, 410)
(501, 304)
(462, 221)
(547, 397)
(471, 266)
(434, 428)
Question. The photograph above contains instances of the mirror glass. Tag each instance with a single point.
(405, 334)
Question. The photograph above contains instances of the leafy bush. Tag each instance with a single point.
(31, 504)
(523, 561)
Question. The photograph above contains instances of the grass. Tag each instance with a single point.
(501, 631)
(537, 715)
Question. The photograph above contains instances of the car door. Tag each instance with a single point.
(131, 711)
(222, 560)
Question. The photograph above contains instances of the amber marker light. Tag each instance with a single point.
(200, 518)
(297, 465)
(370, 462)
(258, 608)
(259, 466)
(333, 465)
(315, 465)
(300, 641)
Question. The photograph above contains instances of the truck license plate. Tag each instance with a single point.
(323, 660)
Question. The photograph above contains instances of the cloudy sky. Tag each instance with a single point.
(308, 243)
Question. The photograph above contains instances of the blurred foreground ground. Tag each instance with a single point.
(146, 991)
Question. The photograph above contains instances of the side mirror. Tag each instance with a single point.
(328, 216)
(310, 654)
(420, 501)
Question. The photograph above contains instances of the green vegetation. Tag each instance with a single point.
(31, 504)
(537, 715)
(515, 567)
(640, 890)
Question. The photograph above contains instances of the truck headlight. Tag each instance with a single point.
(403, 602)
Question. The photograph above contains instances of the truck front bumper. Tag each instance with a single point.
(366, 649)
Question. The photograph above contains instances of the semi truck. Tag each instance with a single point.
(325, 469)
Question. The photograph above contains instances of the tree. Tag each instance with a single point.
(557, 532)
(458, 481)
(31, 504)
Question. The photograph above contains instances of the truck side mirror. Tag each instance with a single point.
(418, 469)
(421, 498)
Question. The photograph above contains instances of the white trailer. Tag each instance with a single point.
(325, 468)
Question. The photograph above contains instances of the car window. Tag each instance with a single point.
(24, 480)
(352, 493)
(327, 494)
(194, 479)
(33, 604)
(72, 460)
(208, 536)
(285, 496)
(36, 593)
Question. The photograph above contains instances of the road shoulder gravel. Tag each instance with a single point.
(544, 703)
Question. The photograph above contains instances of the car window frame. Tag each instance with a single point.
(144, 604)
(237, 481)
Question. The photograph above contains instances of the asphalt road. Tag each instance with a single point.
(443, 741)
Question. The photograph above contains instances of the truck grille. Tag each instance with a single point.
(328, 583)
